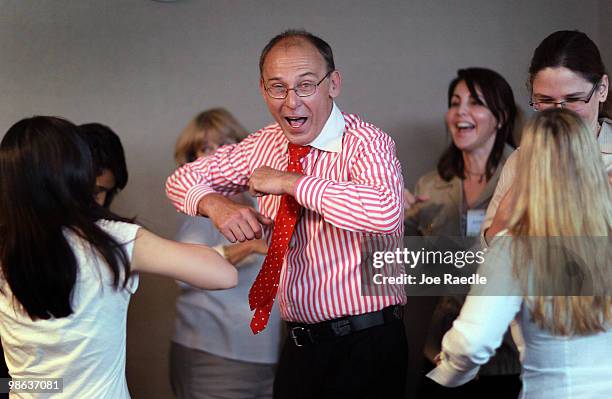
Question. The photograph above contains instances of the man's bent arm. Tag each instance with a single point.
(224, 172)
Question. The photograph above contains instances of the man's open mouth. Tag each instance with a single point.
(296, 122)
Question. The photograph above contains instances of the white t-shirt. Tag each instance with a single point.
(87, 348)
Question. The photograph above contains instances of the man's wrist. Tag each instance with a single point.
(291, 182)
(207, 202)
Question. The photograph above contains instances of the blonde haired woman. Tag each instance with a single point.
(559, 248)
(213, 353)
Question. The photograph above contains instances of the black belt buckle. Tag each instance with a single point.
(300, 332)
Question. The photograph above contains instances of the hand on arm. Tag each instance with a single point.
(265, 180)
(197, 265)
(235, 221)
(411, 200)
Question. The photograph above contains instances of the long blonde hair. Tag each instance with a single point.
(561, 223)
(213, 127)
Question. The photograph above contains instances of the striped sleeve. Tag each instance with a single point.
(371, 201)
(225, 172)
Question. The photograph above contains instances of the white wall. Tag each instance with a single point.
(144, 68)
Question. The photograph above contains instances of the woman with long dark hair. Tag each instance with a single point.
(480, 119)
(69, 266)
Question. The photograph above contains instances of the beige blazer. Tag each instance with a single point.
(441, 214)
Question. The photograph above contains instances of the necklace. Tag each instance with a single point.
(480, 176)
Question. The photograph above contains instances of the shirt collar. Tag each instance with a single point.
(330, 138)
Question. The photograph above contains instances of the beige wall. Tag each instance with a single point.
(144, 68)
(605, 33)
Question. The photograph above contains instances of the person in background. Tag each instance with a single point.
(109, 161)
(451, 201)
(552, 273)
(213, 352)
(69, 266)
(480, 118)
(566, 71)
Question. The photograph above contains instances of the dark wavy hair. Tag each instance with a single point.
(46, 190)
(499, 99)
(321, 45)
(575, 51)
(107, 153)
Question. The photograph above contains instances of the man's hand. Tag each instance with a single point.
(266, 180)
(411, 200)
(235, 221)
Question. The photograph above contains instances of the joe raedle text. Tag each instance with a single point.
(423, 279)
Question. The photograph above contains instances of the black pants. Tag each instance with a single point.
(363, 365)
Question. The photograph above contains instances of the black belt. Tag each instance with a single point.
(306, 334)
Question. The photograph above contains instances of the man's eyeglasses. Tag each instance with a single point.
(573, 103)
(304, 89)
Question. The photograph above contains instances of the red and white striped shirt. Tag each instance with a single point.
(351, 191)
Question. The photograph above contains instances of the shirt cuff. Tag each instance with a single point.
(309, 192)
(193, 197)
(445, 374)
(220, 249)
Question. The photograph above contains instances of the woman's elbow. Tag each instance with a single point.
(226, 276)
(230, 279)
(218, 275)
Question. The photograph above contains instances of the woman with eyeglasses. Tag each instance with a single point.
(566, 71)
(452, 200)
(551, 273)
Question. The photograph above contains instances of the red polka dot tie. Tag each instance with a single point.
(263, 291)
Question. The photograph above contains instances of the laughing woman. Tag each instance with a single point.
(452, 200)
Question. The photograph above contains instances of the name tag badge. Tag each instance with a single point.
(475, 218)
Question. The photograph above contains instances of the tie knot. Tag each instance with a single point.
(297, 152)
